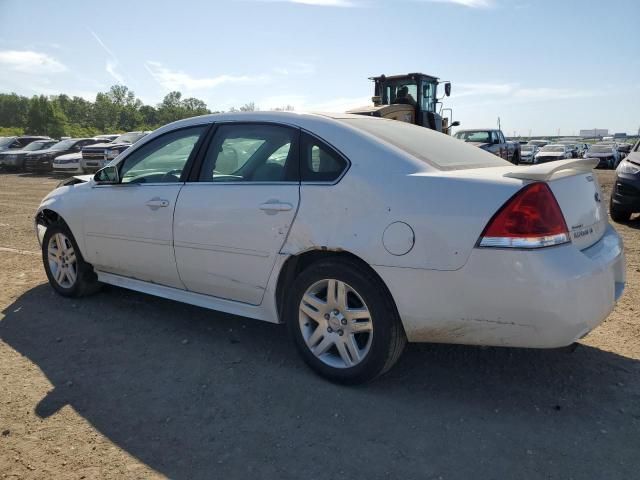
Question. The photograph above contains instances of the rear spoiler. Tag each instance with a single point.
(544, 171)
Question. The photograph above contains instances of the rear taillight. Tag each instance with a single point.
(530, 219)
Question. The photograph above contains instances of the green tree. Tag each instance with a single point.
(45, 117)
(13, 110)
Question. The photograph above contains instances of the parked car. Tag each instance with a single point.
(625, 195)
(539, 143)
(573, 148)
(97, 156)
(18, 143)
(231, 212)
(528, 153)
(582, 149)
(607, 153)
(624, 149)
(42, 160)
(69, 163)
(492, 141)
(108, 137)
(552, 152)
(14, 159)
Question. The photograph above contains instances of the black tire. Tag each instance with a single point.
(619, 215)
(86, 280)
(388, 338)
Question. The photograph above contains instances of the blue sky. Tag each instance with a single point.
(541, 65)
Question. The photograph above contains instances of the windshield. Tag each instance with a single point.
(552, 148)
(6, 141)
(474, 136)
(63, 145)
(37, 146)
(131, 137)
(426, 145)
(601, 149)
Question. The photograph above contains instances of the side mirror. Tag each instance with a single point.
(108, 175)
(447, 89)
(455, 124)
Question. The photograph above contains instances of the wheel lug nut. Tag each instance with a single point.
(340, 332)
(326, 316)
(343, 321)
(329, 329)
(336, 312)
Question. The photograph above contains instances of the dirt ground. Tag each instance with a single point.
(124, 385)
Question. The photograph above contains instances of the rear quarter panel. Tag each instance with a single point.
(446, 210)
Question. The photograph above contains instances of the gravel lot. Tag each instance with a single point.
(124, 385)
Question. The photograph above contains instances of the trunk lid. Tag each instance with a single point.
(578, 193)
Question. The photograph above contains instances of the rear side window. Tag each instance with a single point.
(436, 149)
(246, 152)
(320, 162)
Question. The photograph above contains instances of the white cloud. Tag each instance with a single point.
(26, 61)
(469, 3)
(112, 64)
(299, 68)
(482, 89)
(178, 80)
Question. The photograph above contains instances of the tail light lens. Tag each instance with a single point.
(530, 219)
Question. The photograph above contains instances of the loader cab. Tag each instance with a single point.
(416, 89)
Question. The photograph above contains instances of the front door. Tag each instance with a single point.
(231, 223)
(128, 227)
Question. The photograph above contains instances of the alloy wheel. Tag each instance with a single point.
(335, 323)
(62, 260)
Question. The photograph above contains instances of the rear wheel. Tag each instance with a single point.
(68, 273)
(618, 214)
(343, 322)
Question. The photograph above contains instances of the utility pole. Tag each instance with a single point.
(499, 127)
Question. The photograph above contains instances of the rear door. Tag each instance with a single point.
(232, 219)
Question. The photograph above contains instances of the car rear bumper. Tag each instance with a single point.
(538, 299)
(626, 193)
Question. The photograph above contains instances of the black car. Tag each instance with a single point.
(97, 156)
(625, 195)
(17, 143)
(14, 159)
(43, 160)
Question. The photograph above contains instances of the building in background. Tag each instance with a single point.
(594, 132)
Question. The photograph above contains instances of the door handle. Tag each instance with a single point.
(156, 203)
(273, 206)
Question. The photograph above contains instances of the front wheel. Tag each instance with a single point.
(343, 322)
(68, 273)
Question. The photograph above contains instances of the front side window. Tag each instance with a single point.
(163, 159)
(319, 162)
(251, 153)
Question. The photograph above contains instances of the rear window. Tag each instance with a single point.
(441, 151)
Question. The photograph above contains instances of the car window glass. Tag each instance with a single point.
(251, 153)
(320, 163)
(163, 159)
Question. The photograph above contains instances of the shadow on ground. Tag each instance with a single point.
(198, 394)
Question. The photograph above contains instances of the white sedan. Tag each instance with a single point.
(359, 233)
(69, 163)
